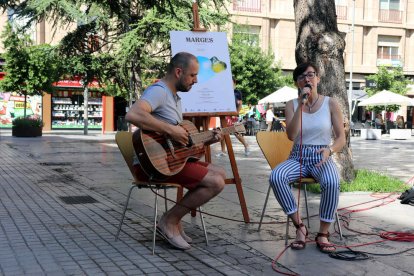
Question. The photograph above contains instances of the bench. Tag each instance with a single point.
(400, 134)
(371, 133)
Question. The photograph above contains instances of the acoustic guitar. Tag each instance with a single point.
(161, 157)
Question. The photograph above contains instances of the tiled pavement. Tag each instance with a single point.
(42, 235)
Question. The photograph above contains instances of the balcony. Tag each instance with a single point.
(247, 5)
(389, 60)
(341, 12)
(390, 16)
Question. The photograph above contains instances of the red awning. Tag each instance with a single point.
(75, 82)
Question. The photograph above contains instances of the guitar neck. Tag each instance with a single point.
(205, 136)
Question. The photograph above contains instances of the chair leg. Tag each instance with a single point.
(165, 198)
(264, 208)
(287, 230)
(155, 220)
(306, 205)
(339, 225)
(203, 224)
(123, 213)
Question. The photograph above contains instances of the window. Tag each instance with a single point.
(341, 9)
(247, 5)
(390, 11)
(390, 4)
(388, 51)
(247, 34)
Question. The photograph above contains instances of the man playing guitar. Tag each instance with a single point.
(159, 110)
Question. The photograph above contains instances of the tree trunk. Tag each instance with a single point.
(85, 104)
(25, 104)
(319, 41)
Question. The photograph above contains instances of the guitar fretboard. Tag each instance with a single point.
(205, 136)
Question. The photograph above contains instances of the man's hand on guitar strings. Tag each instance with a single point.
(180, 135)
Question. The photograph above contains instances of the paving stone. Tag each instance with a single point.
(39, 231)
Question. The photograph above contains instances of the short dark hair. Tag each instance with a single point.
(302, 68)
(180, 60)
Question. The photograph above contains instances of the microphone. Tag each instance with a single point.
(305, 96)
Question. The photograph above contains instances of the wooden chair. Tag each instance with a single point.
(124, 141)
(276, 148)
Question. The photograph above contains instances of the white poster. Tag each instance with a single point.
(213, 93)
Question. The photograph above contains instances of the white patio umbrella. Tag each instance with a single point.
(281, 95)
(386, 98)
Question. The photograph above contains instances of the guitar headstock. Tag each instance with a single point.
(239, 128)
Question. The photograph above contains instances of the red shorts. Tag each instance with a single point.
(231, 120)
(188, 177)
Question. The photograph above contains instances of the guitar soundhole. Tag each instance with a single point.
(190, 143)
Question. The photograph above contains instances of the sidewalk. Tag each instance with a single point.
(40, 234)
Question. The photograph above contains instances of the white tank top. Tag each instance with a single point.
(316, 127)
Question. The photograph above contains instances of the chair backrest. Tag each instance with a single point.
(124, 141)
(275, 146)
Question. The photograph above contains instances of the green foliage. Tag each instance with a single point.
(369, 181)
(43, 69)
(16, 57)
(30, 70)
(255, 72)
(22, 122)
(144, 50)
(391, 79)
(135, 33)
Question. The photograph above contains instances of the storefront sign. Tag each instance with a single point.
(12, 106)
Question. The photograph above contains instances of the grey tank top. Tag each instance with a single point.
(316, 127)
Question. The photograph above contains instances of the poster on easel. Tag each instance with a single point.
(213, 92)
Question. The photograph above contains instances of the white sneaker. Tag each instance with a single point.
(221, 154)
(247, 152)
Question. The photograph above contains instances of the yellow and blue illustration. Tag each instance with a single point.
(209, 68)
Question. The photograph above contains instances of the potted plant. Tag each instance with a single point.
(27, 127)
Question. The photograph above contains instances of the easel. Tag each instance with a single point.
(201, 120)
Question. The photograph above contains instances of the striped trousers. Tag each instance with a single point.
(289, 171)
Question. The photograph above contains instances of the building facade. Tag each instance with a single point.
(383, 32)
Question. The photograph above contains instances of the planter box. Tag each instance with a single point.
(26, 131)
(371, 133)
(400, 134)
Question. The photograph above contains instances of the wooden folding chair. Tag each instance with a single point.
(276, 148)
(124, 141)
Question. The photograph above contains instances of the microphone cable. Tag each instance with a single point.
(275, 262)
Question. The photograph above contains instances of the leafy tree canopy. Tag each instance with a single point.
(391, 79)
(255, 72)
(135, 32)
(30, 70)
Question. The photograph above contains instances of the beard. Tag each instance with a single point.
(182, 87)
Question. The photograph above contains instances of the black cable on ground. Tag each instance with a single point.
(349, 255)
(352, 255)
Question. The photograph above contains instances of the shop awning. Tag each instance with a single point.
(75, 82)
